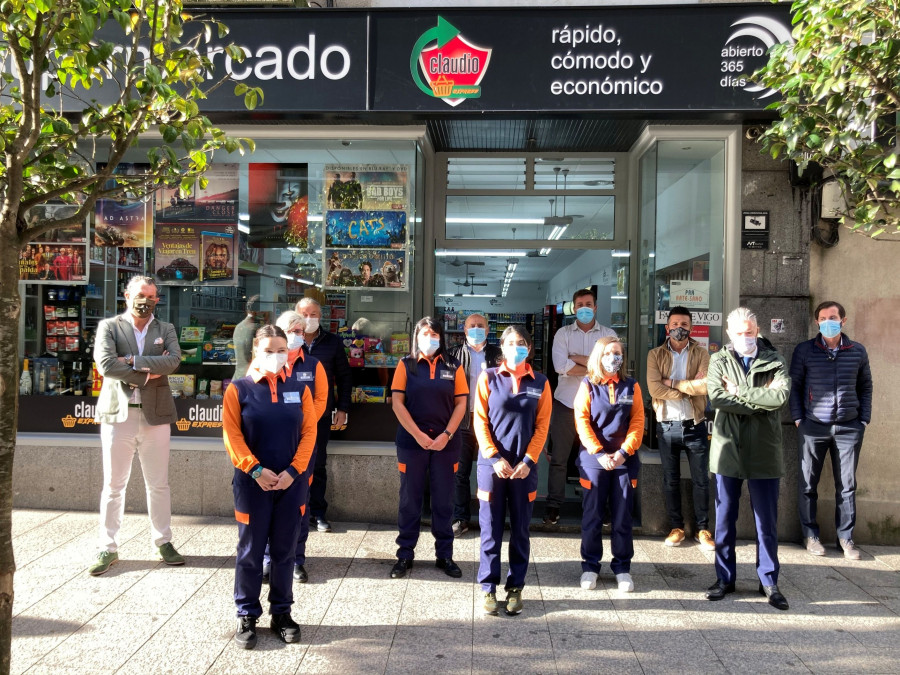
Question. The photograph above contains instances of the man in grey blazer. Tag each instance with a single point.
(134, 353)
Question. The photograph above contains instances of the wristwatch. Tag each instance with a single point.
(257, 472)
(449, 434)
(129, 359)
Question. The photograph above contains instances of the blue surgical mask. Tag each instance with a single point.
(428, 345)
(514, 355)
(830, 328)
(294, 341)
(744, 344)
(584, 314)
(611, 363)
(476, 335)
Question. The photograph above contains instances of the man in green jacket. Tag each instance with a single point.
(747, 385)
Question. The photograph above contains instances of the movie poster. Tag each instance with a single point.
(59, 255)
(126, 221)
(356, 268)
(278, 202)
(366, 229)
(188, 253)
(368, 187)
(216, 203)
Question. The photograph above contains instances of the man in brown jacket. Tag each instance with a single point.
(676, 379)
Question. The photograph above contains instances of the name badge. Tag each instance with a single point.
(292, 397)
(305, 376)
(448, 375)
(533, 392)
(626, 399)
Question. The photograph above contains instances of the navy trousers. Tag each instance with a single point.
(317, 503)
(496, 497)
(602, 487)
(844, 442)
(438, 467)
(265, 517)
(673, 439)
(303, 532)
(462, 496)
(764, 503)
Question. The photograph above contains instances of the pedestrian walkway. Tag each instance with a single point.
(143, 617)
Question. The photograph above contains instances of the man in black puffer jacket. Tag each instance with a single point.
(831, 404)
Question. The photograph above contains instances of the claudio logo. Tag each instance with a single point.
(452, 66)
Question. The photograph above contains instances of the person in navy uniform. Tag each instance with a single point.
(269, 428)
(512, 419)
(609, 417)
(429, 394)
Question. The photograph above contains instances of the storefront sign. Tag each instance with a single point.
(452, 67)
(755, 230)
(689, 294)
(698, 318)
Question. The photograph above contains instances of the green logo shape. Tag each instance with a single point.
(443, 33)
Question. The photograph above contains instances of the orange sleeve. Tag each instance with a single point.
(307, 434)
(480, 420)
(583, 420)
(541, 424)
(240, 453)
(399, 382)
(636, 423)
(462, 382)
(321, 383)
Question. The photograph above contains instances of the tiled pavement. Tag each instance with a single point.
(143, 617)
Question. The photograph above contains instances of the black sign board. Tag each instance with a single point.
(755, 230)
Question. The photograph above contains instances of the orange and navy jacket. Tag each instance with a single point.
(512, 415)
(310, 371)
(609, 416)
(431, 388)
(269, 420)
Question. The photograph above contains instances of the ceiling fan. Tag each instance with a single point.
(554, 219)
(469, 282)
(456, 262)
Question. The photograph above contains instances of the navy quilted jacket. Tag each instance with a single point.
(830, 389)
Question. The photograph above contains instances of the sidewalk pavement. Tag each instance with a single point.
(143, 617)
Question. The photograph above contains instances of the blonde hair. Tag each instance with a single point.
(289, 319)
(595, 370)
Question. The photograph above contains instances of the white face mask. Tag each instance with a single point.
(294, 341)
(744, 344)
(428, 345)
(271, 363)
(312, 324)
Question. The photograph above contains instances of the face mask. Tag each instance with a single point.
(143, 307)
(611, 363)
(515, 355)
(830, 328)
(272, 363)
(679, 334)
(312, 324)
(428, 345)
(744, 344)
(476, 335)
(294, 341)
(584, 314)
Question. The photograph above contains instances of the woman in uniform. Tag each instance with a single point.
(269, 428)
(609, 417)
(512, 417)
(429, 394)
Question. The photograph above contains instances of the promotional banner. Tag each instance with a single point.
(216, 203)
(57, 256)
(192, 252)
(278, 204)
(365, 269)
(366, 229)
(125, 221)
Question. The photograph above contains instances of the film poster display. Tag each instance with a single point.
(59, 255)
(127, 220)
(278, 204)
(366, 238)
(215, 203)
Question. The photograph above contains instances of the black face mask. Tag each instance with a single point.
(679, 334)
(143, 307)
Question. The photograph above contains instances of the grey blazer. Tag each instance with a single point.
(115, 338)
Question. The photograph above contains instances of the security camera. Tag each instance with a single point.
(754, 132)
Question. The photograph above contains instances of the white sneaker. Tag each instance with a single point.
(626, 584)
(589, 581)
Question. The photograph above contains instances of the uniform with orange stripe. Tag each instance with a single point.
(512, 419)
(429, 398)
(609, 418)
(269, 421)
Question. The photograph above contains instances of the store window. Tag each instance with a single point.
(333, 220)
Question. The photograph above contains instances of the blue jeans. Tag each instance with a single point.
(673, 438)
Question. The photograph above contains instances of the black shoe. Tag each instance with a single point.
(776, 599)
(323, 525)
(460, 527)
(285, 627)
(300, 574)
(401, 567)
(267, 569)
(245, 635)
(451, 569)
(551, 517)
(719, 590)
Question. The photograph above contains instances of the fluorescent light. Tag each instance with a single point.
(618, 297)
(293, 249)
(483, 254)
(286, 276)
(479, 295)
(652, 254)
(621, 254)
(243, 228)
(308, 282)
(558, 231)
(497, 221)
(545, 251)
(244, 216)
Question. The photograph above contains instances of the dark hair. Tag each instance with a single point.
(522, 332)
(826, 305)
(365, 263)
(582, 292)
(433, 324)
(680, 311)
(268, 331)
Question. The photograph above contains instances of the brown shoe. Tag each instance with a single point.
(705, 539)
(676, 536)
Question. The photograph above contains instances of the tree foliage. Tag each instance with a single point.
(840, 98)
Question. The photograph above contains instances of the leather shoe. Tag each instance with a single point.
(719, 590)
(451, 569)
(300, 574)
(401, 567)
(776, 599)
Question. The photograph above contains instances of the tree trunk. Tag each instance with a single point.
(10, 308)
